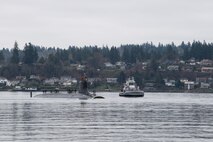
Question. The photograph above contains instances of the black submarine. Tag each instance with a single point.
(82, 93)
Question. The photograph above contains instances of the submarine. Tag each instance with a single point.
(82, 93)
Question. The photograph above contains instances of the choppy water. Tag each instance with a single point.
(158, 117)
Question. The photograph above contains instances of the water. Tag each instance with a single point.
(158, 117)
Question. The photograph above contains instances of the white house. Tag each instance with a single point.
(169, 83)
(109, 65)
(5, 81)
(121, 65)
(51, 81)
(112, 80)
(189, 85)
(173, 68)
(67, 83)
(81, 67)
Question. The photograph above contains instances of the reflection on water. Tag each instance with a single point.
(154, 118)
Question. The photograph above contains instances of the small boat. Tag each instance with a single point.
(131, 89)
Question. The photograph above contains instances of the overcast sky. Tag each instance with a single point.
(61, 23)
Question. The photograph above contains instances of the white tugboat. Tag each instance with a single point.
(131, 89)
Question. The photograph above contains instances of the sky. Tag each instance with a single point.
(60, 23)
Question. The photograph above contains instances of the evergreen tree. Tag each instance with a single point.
(170, 53)
(105, 51)
(30, 54)
(138, 78)
(1, 57)
(114, 55)
(126, 55)
(41, 60)
(121, 77)
(179, 84)
(154, 64)
(15, 54)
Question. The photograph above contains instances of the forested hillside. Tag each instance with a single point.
(50, 62)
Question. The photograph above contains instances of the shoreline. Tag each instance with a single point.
(147, 91)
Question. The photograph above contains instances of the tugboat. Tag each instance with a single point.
(131, 89)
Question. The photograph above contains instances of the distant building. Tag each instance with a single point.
(34, 77)
(92, 80)
(191, 61)
(21, 77)
(201, 79)
(189, 85)
(169, 83)
(74, 81)
(182, 62)
(112, 80)
(207, 69)
(65, 78)
(74, 65)
(187, 68)
(204, 85)
(109, 65)
(173, 68)
(192, 64)
(4, 82)
(121, 65)
(210, 80)
(206, 62)
(51, 81)
(67, 83)
(18, 88)
(81, 67)
(183, 80)
(149, 86)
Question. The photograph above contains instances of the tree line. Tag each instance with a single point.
(49, 62)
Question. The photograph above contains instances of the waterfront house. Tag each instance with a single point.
(51, 81)
(189, 85)
(93, 80)
(4, 82)
(67, 81)
(169, 82)
(204, 85)
(201, 79)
